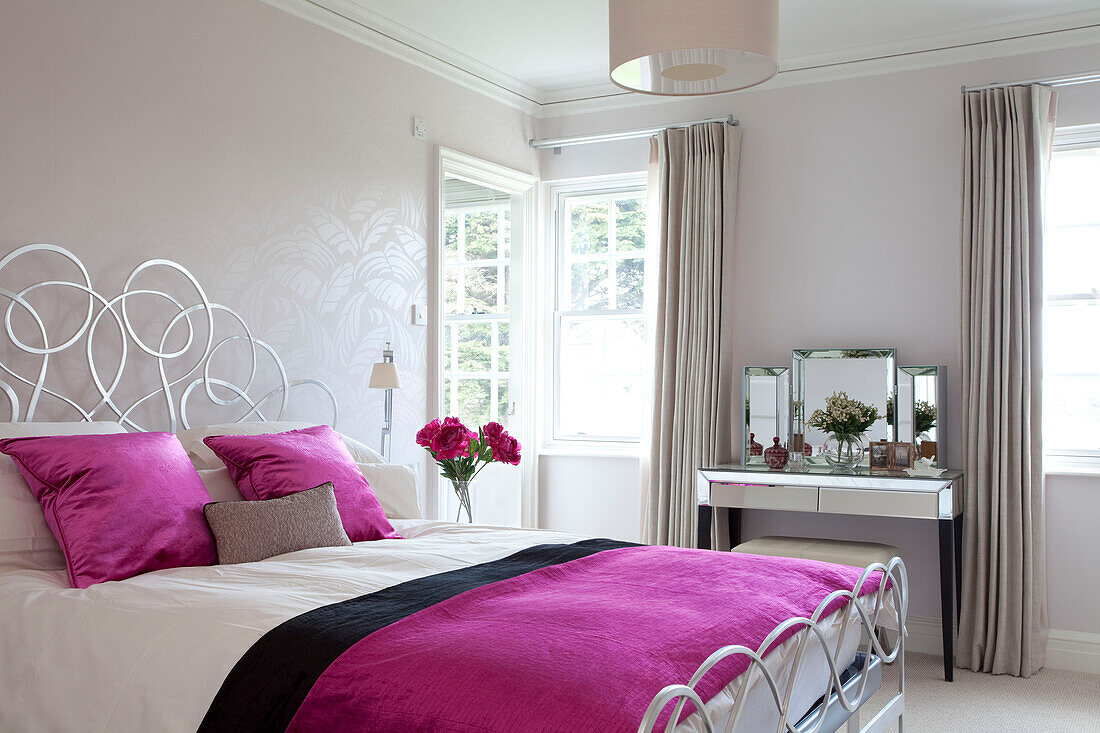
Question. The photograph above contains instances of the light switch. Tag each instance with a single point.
(420, 129)
(420, 315)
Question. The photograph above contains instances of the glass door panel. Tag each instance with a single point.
(482, 320)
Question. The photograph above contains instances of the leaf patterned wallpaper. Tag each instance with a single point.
(328, 285)
(272, 158)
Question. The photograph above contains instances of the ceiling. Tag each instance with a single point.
(556, 50)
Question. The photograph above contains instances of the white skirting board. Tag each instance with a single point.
(1077, 651)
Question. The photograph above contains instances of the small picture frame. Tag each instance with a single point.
(887, 456)
(879, 455)
(901, 455)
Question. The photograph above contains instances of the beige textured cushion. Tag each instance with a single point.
(219, 484)
(204, 458)
(247, 531)
(26, 542)
(395, 487)
(841, 552)
(393, 484)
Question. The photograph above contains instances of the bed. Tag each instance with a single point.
(195, 648)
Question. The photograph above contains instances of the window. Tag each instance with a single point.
(476, 323)
(602, 349)
(1071, 281)
(481, 352)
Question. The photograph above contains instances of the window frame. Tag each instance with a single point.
(559, 260)
(523, 346)
(1067, 460)
(494, 319)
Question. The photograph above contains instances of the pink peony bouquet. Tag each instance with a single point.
(461, 453)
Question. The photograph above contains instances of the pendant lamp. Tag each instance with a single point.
(686, 47)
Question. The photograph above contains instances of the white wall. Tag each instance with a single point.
(271, 157)
(598, 497)
(847, 235)
(265, 153)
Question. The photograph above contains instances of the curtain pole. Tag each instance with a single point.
(1085, 77)
(603, 137)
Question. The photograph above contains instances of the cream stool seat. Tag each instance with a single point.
(841, 552)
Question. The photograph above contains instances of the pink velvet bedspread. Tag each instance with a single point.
(580, 646)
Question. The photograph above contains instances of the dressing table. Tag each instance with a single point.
(857, 492)
(780, 404)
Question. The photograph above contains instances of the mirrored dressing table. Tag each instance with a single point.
(857, 492)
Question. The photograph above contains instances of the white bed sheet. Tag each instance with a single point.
(151, 652)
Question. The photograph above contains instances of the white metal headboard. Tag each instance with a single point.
(175, 392)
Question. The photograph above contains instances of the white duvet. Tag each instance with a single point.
(150, 653)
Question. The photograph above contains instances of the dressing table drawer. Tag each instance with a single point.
(880, 503)
(765, 496)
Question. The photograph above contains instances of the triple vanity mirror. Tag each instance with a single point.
(780, 401)
(921, 394)
(767, 409)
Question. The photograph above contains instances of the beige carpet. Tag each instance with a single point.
(1052, 700)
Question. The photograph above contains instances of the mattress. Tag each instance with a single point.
(151, 652)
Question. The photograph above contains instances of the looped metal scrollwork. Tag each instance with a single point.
(192, 362)
(892, 593)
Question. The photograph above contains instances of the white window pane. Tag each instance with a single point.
(630, 224)
(503, 345)
(1070, 345)
(481, 289)
(475, 351)
(630, 282)
(448, 351)
(1071, 258)
(1071, 266)
(450, 289)
(588, 286)
(1074, 188)
(587, 227)
(601, 359)
(502, 403)
(482, 238)
(473, 401)
(450, 237)
(1071, 413)
(601, 387)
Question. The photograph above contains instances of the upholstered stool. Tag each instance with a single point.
(842, 552)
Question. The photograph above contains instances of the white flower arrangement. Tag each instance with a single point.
(844, 416)
(924, 417)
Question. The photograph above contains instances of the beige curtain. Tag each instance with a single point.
(1008, 135)
(694, 374)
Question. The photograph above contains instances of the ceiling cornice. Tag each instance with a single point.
(371, 29)
(1051, 25)
(1008, 39)
(839, 70)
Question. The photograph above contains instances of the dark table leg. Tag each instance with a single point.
(958, 522)
(705, 513)
(735, 527)
(947, 593)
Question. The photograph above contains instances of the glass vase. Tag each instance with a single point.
(462, 491)
(843, 452)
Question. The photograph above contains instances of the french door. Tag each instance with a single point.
(483, 366)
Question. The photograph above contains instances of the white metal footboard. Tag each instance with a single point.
(811, 631)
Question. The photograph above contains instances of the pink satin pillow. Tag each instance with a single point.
(119, 505)
(277, 464)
